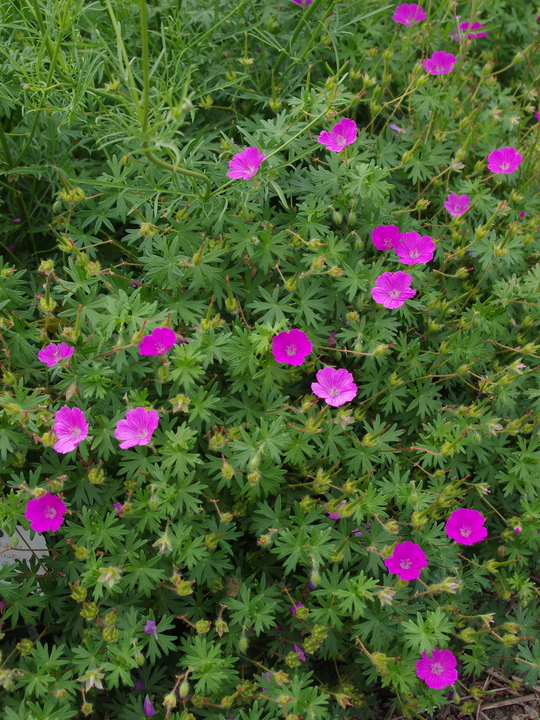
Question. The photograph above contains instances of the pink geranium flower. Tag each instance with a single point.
(440, 63)
(45, 513)
(407, 561)
(245, 164)
(158, 342)
(466, 526)
(137, 427)
(392, 289)
(506, 160)
(291, 347)
(53, 354)
(148, 707)
(302, 2)
(409, 13)
(457, 204)
(70, 427)
(342, 134)
(385, 237)
(413, 248)
(470, 35)
(334, 386)
(439, 670)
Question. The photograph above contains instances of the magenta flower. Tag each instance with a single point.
(392, 289)
(139, 685)
(158, 342)
(342, 134)
(407, 561)
(148, 708)
(298, 649)
(118, 507)
(70, 427)
(409, 13)
(334, 386)
(466, 526)
(291, 347)
(53, 354)
(45, 513)
(440, 63)
(537, 115)
(295, 607)
(471, 35)
(151, 628)
(413, 248)
(506, 160)
(439, 670)
(336, 515)
(457, 204)
(385, 237)
(302, 2)
(137, 427)
(245, 164)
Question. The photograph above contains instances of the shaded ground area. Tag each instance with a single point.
(495, 697)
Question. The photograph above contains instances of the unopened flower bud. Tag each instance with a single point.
(96, 475)
(221, 627)
(203, 626)
(148, 230)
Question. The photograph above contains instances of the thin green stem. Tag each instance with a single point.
(145, 69)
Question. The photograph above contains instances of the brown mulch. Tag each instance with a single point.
(497, 698)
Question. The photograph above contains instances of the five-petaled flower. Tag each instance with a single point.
(506, 160)
(407, 560)
(392, 289)
(466, 526)
(137, 427)
(342, 134)
(471, 35)
(409, 13)
(53, 353)
(158, 342)
(440, 63)
(151, 628)
(291, 347)
(45, 513)
(413, 248)
(439, 670)
(457, 204)
(245, 164)
(70, 427)
(334, 386)
(385, 237)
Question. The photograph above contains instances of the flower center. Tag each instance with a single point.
(413, 254)
(76, 431)
(505, 166)
(50, 512)
(160, 348)
(465, 530)
(405, 564)
(387, 242)
(394, 294)
(333, 391)
(437, 668)
(290, 350)
(341, 140)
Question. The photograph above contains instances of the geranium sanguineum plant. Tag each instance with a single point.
(158, 342)
(409, 13)
(70, 427)
(392, 289)
(407, 560)
(466, 526)
(45, 513)
(137, 427)
(457, 204)
(413, 248)
(470, 27)
(53, 353)
(504, 161)
(244, 165)
(385, 237)
(342, 134)
(291, 347)
(334, 386)
(440, 63)
(437, 668)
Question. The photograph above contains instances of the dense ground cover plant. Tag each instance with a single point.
(269, 341)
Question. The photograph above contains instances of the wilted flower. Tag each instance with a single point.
(336, 515)
(334, 386)
(53, 354)
(392, 289)
(466, 526)
(291, 347)
(151, 628)
(92, 678)
(245, 164)
(118, 507)
(439, 670)
(413, 248)
(506, 160)
(45, 513)
(298, 649)
(457, 204)
(409, 13)
(385, 237)
(342, 134)
(137, 427)
(295, 607)
(407, 560)
(158, 342)
(148, 708)
(70, 427)
(440, 63)
(470, 35)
